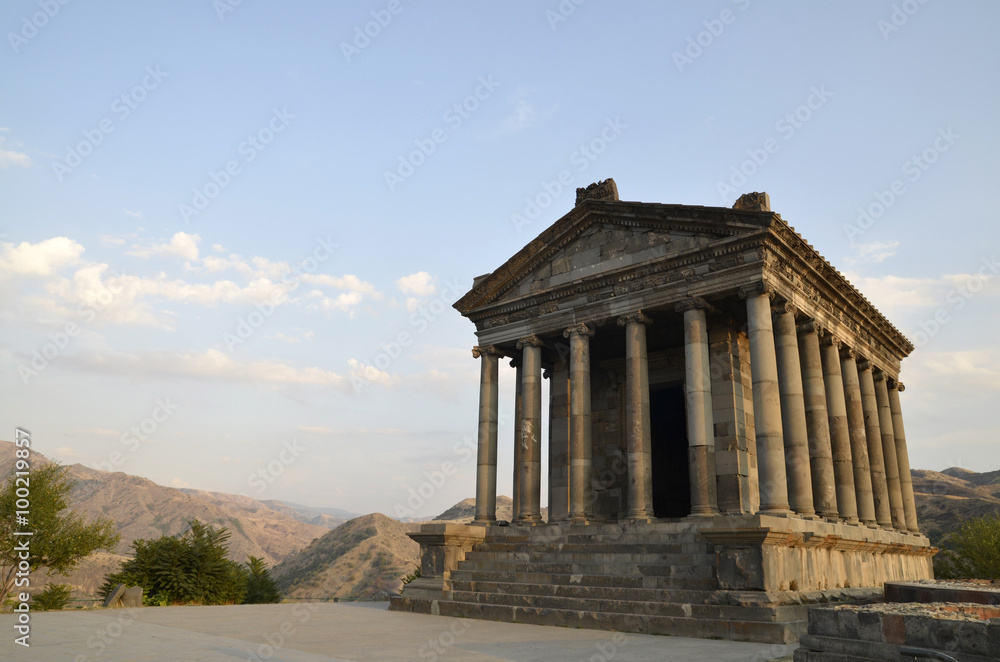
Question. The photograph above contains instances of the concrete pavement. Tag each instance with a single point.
(314, 632)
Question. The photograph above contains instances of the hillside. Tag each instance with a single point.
(364, 559)
(947, 498)
(142, 509)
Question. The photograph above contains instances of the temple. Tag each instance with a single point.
(725, 437)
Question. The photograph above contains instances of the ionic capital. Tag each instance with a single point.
(847, 352)
(755, 289)
(488, 350)
(783, 307)
(582, 329)
(864, 364)
(809, 326)
(896, 385)
(638, 317)
(878, 374)
(829, 339)
(693, 303)
(530, 341)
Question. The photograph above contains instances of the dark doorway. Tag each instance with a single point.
(669, 445)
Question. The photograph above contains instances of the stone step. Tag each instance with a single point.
(598, 548)
(705, 628)
(677, 595)
(616, 569)
(656, 577)
(643, 608)
(626, 557)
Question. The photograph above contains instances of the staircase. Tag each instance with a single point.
(656, 578)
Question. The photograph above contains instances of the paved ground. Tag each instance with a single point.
(336, 631)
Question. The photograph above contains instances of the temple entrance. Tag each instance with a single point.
(669, 446)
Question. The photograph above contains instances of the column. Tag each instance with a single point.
(580, 429)
(903, 457)
(889, 452)
(766, 401)
(700, 423)
(515, 497)
(840, 437)
(824, 484)
(531, 430)
(793, 412)
(486, 462)
(859, 440)
(873, 437)
(558, 376)
(640, 484)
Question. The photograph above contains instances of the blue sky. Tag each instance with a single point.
(232, 233)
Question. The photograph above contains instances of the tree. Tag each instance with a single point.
(191, 568)
(973, 552)
(60, 538)
(260, 588)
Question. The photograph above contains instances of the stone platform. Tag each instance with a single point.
(743, 578)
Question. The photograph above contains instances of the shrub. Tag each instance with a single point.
(973, 552)
(53, 598)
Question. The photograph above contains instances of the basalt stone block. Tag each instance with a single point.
(114, 596)
(132, 597)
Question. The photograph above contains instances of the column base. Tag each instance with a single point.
(483, 522)
(777, 512)
(702, 514)
(579, 519)
(530, 520)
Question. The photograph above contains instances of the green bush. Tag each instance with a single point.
(973, 552)
(53, 598)
(260, 588)
(188, 569)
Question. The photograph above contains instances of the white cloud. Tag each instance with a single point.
(875, 252)
(523, 116)
(109, 240)
(292, 340)
(182, 245)
(133, 214)
(420, 284)
(218, 248)
(347, 282)
(41, 259)
(211, 363)
(68, 451)
(10, 157)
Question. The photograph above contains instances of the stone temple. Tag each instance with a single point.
(725, 439)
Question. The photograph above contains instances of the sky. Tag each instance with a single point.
(231, 231)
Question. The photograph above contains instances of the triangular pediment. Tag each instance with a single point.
(601, 237)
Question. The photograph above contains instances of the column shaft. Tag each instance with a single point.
(580, 428)
(903, 458)
(873, 437)
(859, 440)
(531, 430)
(824, 484)
(793, 413)
(889, 453)
(840, 437)
(486, 463)
(700, 425)
(640, 487)
(518, 447)
(766, 406)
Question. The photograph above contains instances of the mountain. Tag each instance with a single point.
(947, 498)
(142, 509)
(330, 518)
(364, 559)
